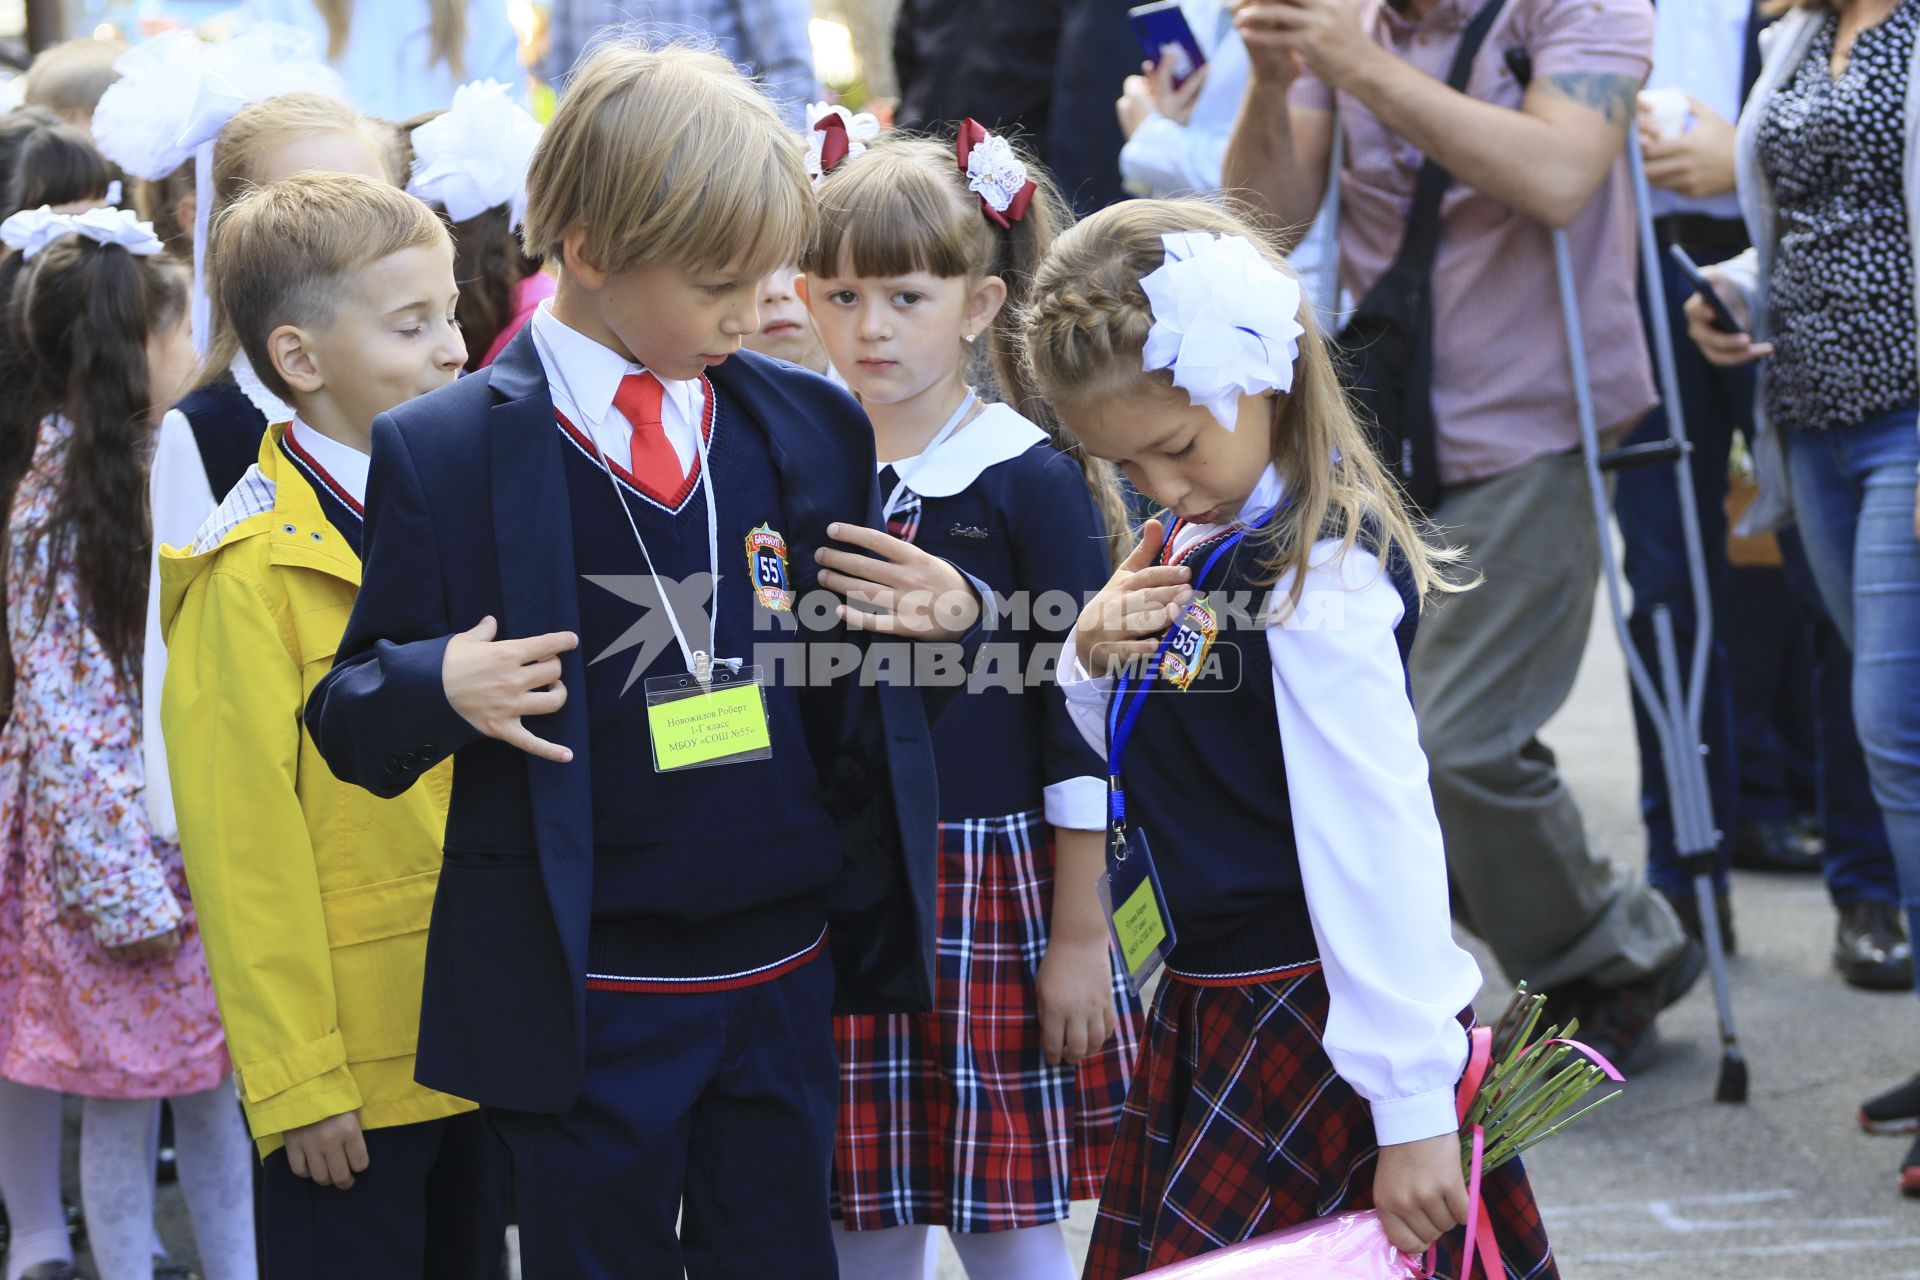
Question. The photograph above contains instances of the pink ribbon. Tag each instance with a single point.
(1479, 1223)
(1591, 1054)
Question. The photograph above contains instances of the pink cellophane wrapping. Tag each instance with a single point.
(1346, 1246)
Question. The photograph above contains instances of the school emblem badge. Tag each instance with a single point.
(1193, 637)
(767, 567)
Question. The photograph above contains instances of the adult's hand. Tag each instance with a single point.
(1135, 104)
(1272, 61)
(1175, 104)
(1325, 34)
(1696, 162)
(1719, 347)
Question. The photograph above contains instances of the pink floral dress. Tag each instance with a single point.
(80, 870)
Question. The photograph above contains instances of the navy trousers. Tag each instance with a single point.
(713, 1110)
(432, 1205)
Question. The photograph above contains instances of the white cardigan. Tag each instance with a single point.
(1783, 47)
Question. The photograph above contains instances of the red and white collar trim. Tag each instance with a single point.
(338, 468)
(668, 502)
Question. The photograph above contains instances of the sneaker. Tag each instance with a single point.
(1895, 1111)
(1617, 1022)
(1688, 909)
(1870, 947)
(1775, 846)
(1910, 1171)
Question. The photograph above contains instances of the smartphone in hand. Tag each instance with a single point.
(1722, 317)
(1162, 30)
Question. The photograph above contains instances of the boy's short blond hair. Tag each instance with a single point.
(287, 253)
(668, 155)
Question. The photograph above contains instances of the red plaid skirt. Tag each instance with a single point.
(953, 1118)
(1237, 1126)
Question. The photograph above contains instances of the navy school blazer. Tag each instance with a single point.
(466, 517)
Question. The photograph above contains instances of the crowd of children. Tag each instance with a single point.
(397, 769)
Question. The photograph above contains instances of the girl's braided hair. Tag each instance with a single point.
(1085, 326)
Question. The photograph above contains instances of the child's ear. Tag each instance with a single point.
(988, 297)
(292, 358)
(800, 289)
(573, 260)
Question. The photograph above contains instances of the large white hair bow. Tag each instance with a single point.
(176, 91)
(475, 157)
(1225, 320)
(835, 134)
(32, 230)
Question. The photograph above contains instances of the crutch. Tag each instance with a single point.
(1673, 708)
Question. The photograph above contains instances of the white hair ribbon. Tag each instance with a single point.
(32, 230)
(475, 157)
(177, 91)
(1225, 320)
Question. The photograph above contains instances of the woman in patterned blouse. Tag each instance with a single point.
(1829, 180)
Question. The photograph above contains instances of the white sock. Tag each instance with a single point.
(215, 1157)
(116, 1185)
(1031, 1253)
(30, 1176)
(893, 1253)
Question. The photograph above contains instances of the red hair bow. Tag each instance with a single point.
(834, 145)
(994, 173)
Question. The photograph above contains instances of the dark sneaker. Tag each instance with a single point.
(1910, 1171)
(1776, 846)
(1870, 947)
(1895, 1111)
(1688, 909)
(1617, 1022)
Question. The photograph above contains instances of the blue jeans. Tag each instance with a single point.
(1646, 503)
(1853, 491)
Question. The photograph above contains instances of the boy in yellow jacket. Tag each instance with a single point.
(314, 896)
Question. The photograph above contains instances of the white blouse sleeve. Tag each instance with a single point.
(1086, 699)
(1371, 856)
(180, 499)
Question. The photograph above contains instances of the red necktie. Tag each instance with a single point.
(652, 461)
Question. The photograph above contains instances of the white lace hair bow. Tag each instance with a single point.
(830, 144)
(176, 91)
(32, 230)
(1225, 320)
(475, 157)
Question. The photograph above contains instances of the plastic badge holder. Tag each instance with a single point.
(694, 725)
(1136, 907)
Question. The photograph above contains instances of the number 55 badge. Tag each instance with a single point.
(767, 569)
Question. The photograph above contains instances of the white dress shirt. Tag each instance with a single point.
(1371, 857)
(584, 376)
(1700, 48)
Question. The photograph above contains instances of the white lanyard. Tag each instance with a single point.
(699, 661)
(953, 425)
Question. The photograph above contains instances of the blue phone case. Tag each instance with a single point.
(1162, 27)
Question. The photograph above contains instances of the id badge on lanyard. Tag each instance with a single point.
(1130, 892)
(717, 712)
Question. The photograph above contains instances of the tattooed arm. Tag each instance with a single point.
(1544, 160)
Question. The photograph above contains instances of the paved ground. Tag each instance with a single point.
(1666, 1185)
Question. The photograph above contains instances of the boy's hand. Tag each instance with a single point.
(1140, 601)
(160, 946)
(329, 1151)
(1418, 1189)
(495, 684)
(898, 590)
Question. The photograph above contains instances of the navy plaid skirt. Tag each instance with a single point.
(1238, 1126)
(953, 1118)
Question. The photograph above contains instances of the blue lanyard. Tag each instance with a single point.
(1122, 714)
